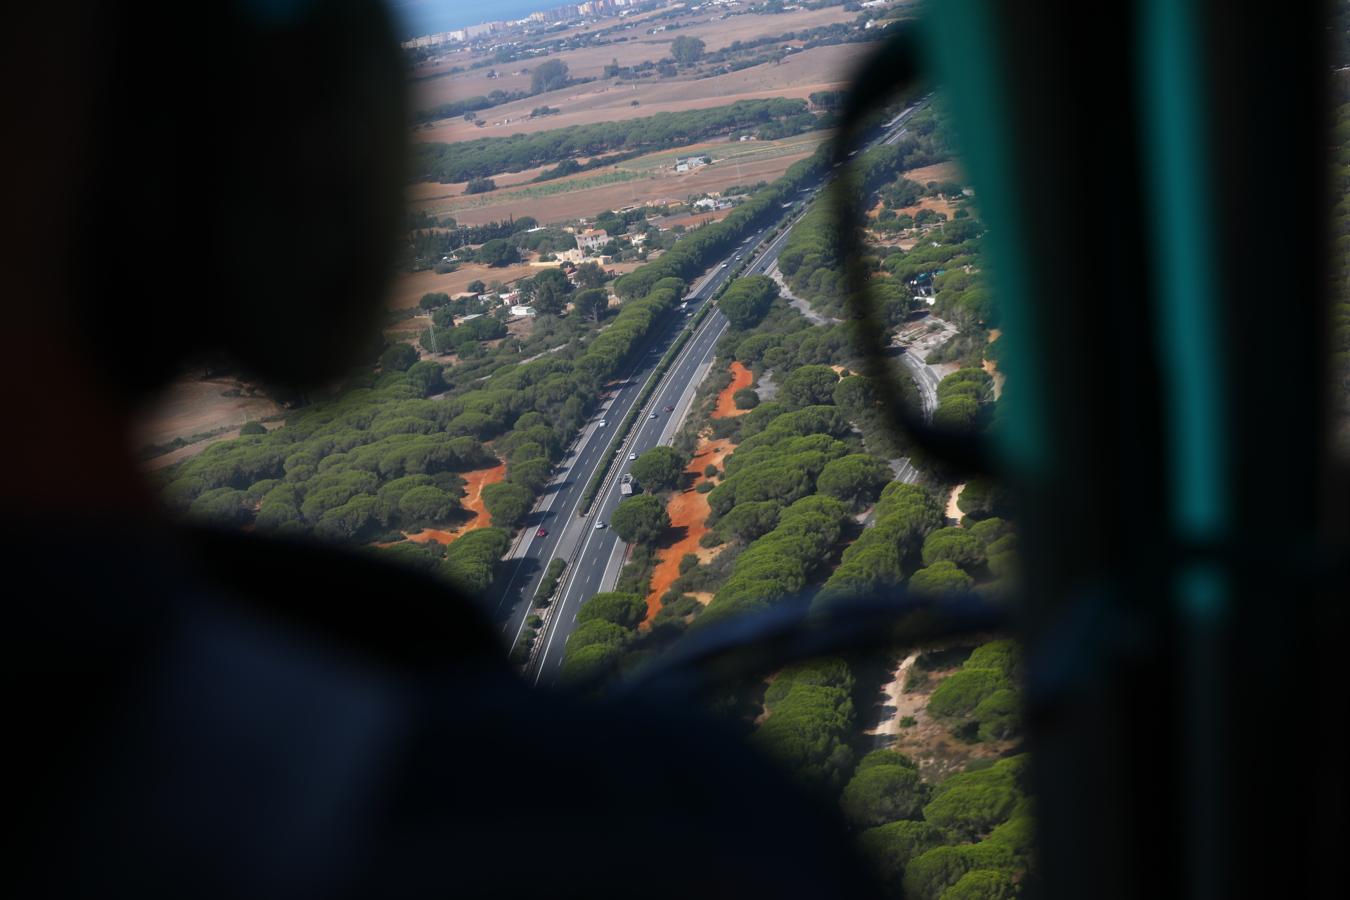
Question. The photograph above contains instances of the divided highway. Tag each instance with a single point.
(557, 514)
(594, 552)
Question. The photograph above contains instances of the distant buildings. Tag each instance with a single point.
(711, 203)
(689, 163)
(557, 14)
(523, 311)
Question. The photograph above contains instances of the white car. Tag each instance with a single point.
(632, 456)
(651, 415)
(599, 525)
(603, 423)
(724, 265)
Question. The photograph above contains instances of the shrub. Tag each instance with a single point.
(884, 793)
(617, 607)
(982, 884)
(891, 847)
(999, 715)
(746, 398)
(962, 691)
(970, 804)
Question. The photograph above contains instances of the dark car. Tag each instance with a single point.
(668, 409)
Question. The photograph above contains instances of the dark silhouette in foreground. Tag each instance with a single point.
(203, 713)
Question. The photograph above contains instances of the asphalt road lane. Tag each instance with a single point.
(596, 554)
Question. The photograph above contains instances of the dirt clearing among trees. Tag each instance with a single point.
(407, 290)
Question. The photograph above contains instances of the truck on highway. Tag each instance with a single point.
(626, 484)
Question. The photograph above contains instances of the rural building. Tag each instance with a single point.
(592, 239)
(689, 163)
(523, 311)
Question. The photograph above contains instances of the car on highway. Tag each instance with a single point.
(651, 415)
(599, 525)
(667, 409)
(542, 532)
(632, 456)
(723, 266)
(603, 423)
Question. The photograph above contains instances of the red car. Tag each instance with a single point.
(542, 532)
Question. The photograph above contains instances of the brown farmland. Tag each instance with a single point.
(818, 69)
(653, 183)
(408, 289)
(590, 62)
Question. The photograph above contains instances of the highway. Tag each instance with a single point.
(596, 554)
(557, 512)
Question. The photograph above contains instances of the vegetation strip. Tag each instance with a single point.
(616, 445)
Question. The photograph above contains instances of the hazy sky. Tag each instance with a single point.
(418, 17)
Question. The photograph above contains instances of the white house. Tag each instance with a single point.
(523, 311)
(592, 239)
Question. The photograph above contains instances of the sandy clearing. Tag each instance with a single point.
(953, 511)
(687, 508)
(741, 377)
(943, 171)
(407, 289)
(927, 741)
(937, 204)
(197, 405)
(474, 482)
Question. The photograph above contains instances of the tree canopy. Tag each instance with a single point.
(640, 519)
(658, 469)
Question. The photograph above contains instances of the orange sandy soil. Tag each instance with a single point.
(688, 509)
(726, 404)
(474, 482)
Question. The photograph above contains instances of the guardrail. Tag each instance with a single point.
(616, 445)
